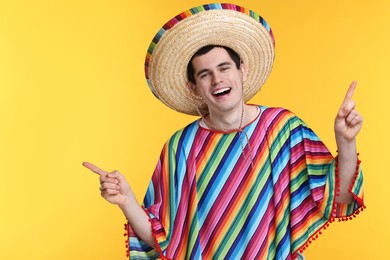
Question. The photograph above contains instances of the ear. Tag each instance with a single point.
(243, 73)
(192, 87)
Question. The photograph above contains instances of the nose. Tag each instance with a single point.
(217, 78)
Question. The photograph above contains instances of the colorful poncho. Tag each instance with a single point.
(214, 196)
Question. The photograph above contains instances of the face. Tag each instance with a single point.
(218, 81)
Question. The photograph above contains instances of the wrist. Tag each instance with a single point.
(128, 203)
(345, 146)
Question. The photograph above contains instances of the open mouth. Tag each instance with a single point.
(222, 92)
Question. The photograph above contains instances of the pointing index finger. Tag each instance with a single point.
(349, 94)
(94, 168)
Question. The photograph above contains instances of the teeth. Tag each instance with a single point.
(220, 91)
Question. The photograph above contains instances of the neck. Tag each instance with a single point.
(231, 120)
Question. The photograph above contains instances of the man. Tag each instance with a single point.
(243, 181)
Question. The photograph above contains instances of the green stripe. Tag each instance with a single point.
(245, 209)
(279, 141)
(298, 180)
(213, 162)
(173, 146)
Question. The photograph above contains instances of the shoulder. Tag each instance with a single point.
(279, 119)
(184, 134)
(279, 114)
(280, 124)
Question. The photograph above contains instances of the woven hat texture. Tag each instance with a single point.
(177, 41)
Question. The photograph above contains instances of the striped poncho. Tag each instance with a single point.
(214, 196)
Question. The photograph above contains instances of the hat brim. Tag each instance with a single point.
(166, 63)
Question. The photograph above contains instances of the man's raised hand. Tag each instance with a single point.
(348, 121)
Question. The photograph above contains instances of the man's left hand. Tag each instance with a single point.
(348, 121)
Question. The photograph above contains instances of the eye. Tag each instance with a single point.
(203, 75)
(224, 68)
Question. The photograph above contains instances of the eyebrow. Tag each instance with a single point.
(219, 65)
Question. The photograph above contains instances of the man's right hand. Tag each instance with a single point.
(116, 190)
(113, 186)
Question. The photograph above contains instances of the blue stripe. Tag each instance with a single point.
(254, 218)
(300, 195)
(219, 178)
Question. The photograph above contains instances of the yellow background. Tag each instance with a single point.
(72, 89)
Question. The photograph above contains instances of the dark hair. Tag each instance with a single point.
(190, 68)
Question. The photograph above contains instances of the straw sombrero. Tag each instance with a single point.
(229, 25)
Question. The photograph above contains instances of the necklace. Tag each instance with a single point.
(209, 125)
(240, 130)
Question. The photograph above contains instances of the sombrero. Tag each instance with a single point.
(228, 25)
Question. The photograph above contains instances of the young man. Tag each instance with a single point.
(243, 181)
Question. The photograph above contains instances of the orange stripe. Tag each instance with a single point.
(223, 228)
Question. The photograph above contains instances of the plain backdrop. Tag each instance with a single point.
(72, 89)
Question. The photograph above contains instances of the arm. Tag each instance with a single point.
(116, 190)
(347, 125)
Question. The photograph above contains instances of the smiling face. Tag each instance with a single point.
(218, 81)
